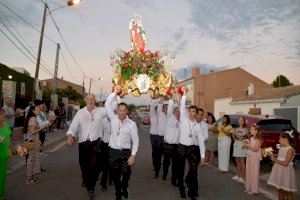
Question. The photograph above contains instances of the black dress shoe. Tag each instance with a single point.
(118, 198)
(110, 183)
(164, 177)
(43, 170)
(125, 194)
(155, 175)
(91, 195)
(182, 194)
(174, 183)
(104, 188)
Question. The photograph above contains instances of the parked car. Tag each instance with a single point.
(271, 128)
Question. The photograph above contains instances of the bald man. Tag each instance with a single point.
(9, 112)
(87, 124)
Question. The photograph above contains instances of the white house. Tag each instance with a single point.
(283, 101)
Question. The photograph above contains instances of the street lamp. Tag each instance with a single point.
(38, 60)
(70, 3)
(73, 2)
(10, 77)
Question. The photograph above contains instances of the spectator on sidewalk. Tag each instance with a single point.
(63, 113)
(253, 160)
(224, 142)
(42, 120)
(283, 176)
(28, 107)
(58, 117)
(212, 142)
(9, 112)
(239, 134)
(32, 128)
(51, 114)
(5, 135)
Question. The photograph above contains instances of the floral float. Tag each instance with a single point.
(139, 71)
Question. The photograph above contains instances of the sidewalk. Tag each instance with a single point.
(52, 139)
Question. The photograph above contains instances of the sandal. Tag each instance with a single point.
(31, 181)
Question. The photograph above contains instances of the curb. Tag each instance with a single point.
(50, 147)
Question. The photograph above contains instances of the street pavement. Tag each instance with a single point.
(62, 180)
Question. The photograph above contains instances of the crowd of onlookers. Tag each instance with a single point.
(38, 119)
(247, 152)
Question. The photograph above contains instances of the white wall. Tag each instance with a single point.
(224, 106)
(292, 101)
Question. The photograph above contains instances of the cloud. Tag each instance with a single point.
(138, 4)
(178, 42)
(249, 27)
(185, 73)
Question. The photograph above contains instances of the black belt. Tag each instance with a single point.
(119, 149)
(88, 141)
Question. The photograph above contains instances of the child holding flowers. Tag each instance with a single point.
(283, 174)
(253, 160)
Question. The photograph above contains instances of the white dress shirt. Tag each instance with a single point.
(162, 120)
(190, 132)
(106, 130)
(153, 118)
(173, 126)
(42, 120)
(204, 128)
(88, 125)
(106, 122)
(10, 115)
(122, 134)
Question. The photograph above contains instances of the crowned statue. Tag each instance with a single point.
(140, 71)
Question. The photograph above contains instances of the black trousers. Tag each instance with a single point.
(104, 163)
(157, 143)
(188, 176)
(89, 160)
(170, 153)
(120, 170)
(42, 136)
(188, 153)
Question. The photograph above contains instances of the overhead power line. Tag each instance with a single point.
(65, 43)
(26, 22)
(62, 55)
(5, 26)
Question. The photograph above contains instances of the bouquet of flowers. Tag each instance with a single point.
(267, 151)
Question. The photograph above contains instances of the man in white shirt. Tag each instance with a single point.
(171, 140)
(190, 134)
(10, 114)
(105, 148)
(204, 128)
(162, 109)
(155, 138)
(123, 143)
(87, 124)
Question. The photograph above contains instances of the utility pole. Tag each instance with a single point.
(54, 87)
(101, 94)
(83, 85)
(90, 85)
(39, 54)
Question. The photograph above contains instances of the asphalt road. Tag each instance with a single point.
(62, 180)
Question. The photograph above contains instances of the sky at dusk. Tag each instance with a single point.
(262, 37)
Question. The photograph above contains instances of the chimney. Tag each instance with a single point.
(250, 89)
(195, 72)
